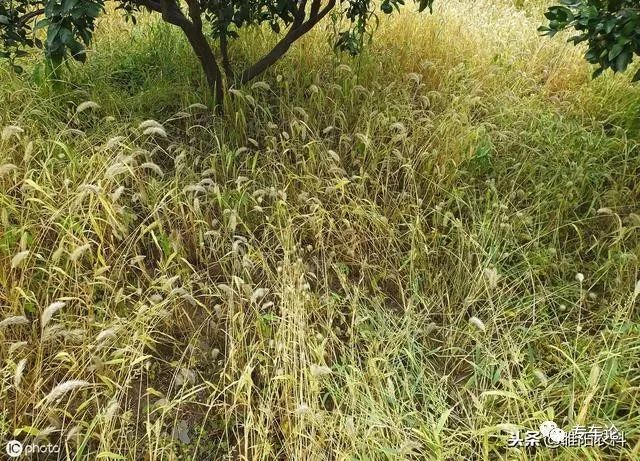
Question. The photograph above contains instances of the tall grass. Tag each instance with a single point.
(394, 257)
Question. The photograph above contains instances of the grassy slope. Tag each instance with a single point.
(463, 167)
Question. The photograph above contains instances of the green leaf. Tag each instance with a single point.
(68, 5)
(77, 51)
(622, 61)
(615, 51)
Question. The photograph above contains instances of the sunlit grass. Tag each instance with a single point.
(392, 257)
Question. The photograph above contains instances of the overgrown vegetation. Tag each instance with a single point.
(399, 256)
(70, 24)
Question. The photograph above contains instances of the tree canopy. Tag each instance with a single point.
(610, 28)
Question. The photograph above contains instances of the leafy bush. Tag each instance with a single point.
(610, 28)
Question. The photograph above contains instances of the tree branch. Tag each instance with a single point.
(315, 7)
(29, 16)
(226, 63)
(294, 33)
(300, 12)
(195, 13)
(169, 10)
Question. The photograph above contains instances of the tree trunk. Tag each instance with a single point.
(297, 30)
(208, 62)
(226, 63)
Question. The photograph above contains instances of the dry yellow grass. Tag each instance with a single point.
(364, 259)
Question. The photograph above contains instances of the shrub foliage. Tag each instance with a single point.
(610, 28)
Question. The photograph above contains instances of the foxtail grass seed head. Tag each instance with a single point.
(112, 409)
(17, 377)
(594, 376)
(508, 427)
(302, 410)
(544, 381)
(155, 298)
(105, 334)
(258, 293)
(198, 106)
(237, 247)
(233, 221)
(24, 240)
(156, 131)
(476, 322)
(28, 151)
(116, 194)
(318, 371)
(207, 183)
(87, 105)
(73, 433)
(226, 289)
(136, 260)
(56, 331)
(15, 346)
(10, 131)
(19, 259)
(114, 142)
(185, 376)
(264, 86)
(16, 320)
(49, 312)
(115, 170)
(350, 426)
(77, 253)
(153, 167)
(64, 388)
(398, 127)
(491, 276)
(89, 188)
(195, 188)
(7, 168)
(149, 124)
